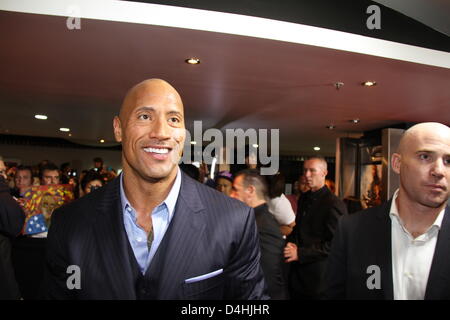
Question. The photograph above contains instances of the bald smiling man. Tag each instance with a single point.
(153, 232)
(400, 250)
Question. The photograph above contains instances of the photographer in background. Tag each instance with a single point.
(66, 171)
(91, 181)
(98, 165)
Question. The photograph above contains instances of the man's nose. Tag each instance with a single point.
(438, 168)
(160, 129)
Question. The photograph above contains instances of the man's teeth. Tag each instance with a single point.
(156, 150)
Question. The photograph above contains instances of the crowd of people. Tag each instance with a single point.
(18, 185)
(161, 231)
(21, 178)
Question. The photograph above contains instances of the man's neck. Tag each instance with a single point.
(416, 217)
(145, 195)
(257, 202)
(317, 188)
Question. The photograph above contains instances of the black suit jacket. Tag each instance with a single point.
(272, 245)
(208, 232)
(316, 222)
(11, 223)
(364, 239)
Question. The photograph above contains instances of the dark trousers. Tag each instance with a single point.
(28, 256)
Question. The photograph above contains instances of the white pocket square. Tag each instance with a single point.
(204, 276)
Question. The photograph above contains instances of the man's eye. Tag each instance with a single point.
(174, 120)
(447, 161)
(144, 117)
(424, 156)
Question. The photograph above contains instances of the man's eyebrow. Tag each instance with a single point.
(151, 109)
(145, 108)
(175, 112)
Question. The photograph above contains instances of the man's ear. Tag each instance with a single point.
(117, 129)
(251, 189)
(396, 161)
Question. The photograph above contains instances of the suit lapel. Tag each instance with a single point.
(113, 244)
(439, 272)
(384, 250)
(185, 231)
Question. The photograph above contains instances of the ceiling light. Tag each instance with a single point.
(193, 142)
(369, 83)
(70, 134)
(255, 145)
(355, 121)
(64, 129)
(192, 61)
(330, 127)
(317, 148)
(102, 141)
(338, 85)
(40, 116)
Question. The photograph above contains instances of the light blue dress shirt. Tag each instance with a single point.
(161, 217)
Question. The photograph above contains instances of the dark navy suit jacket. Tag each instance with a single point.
(208, 232)
(11, 223)
(364, 239)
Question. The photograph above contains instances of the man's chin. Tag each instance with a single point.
(161, 174)
(435, 202)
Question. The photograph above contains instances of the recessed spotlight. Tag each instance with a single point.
(40, 116)
(64, 129)
(192, 61)
(193, 142)
(338, 85)
(255, 145)
(102, 141)
(355, 121)
(317, 148)
(369, 83)
(331, 127)
(70, 134)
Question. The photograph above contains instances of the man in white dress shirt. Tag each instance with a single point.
(400, 250)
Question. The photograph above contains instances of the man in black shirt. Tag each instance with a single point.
(309, 243)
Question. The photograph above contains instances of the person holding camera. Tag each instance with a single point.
(91, 181)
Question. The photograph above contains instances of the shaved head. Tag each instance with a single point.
(315, 171)
(422, 130)
(147, 88)
(151, 128)
(423, 163)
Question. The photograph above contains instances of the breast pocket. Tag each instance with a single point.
(207, 289)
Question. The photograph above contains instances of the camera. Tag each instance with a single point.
(72, 173)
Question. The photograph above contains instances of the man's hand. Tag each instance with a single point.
(290, 252)
(20, 201)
